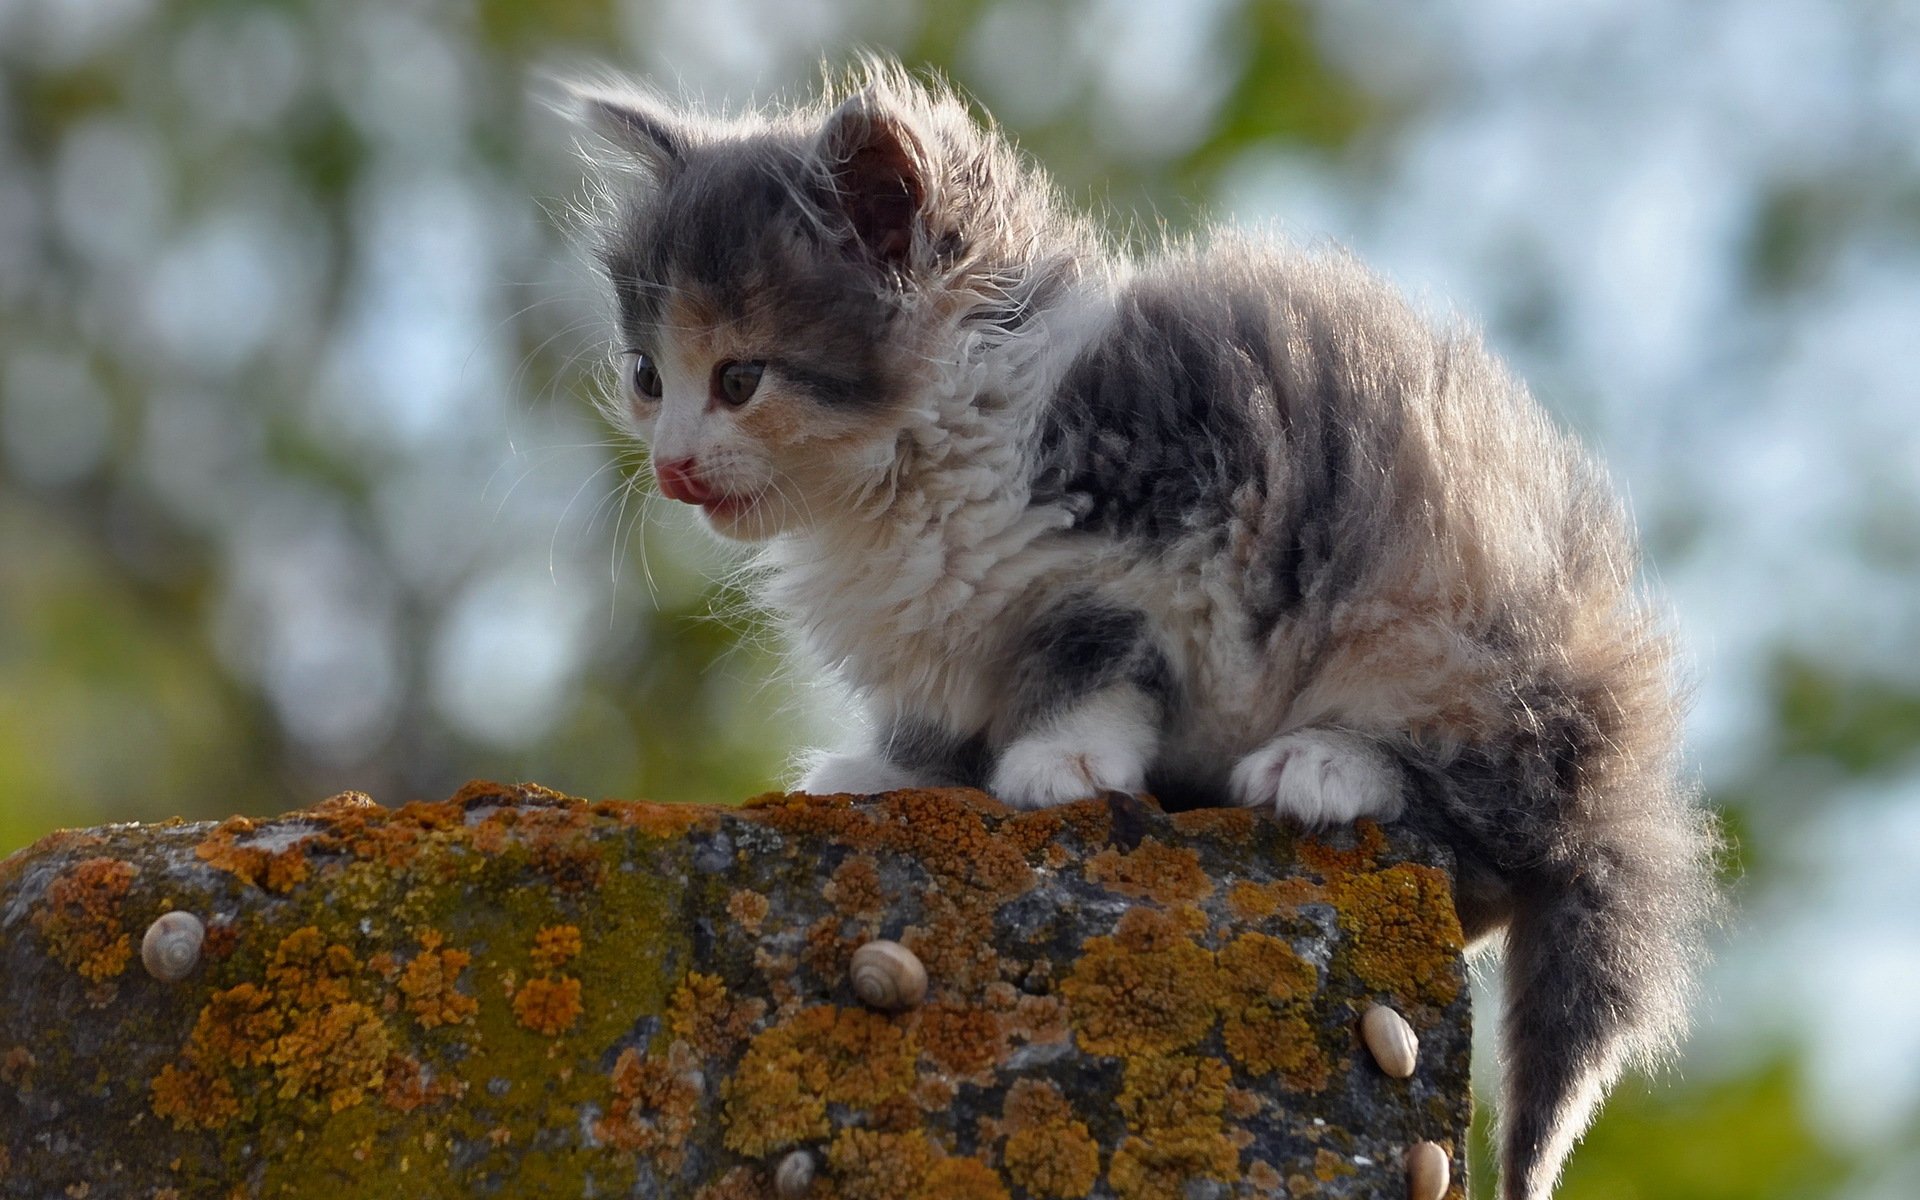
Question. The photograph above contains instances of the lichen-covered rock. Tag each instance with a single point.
(516, 993)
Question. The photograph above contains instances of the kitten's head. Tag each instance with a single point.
(788, 283)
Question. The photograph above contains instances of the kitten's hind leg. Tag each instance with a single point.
(1321, 777)
(1103, 742)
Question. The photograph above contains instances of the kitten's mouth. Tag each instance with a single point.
(727, 505)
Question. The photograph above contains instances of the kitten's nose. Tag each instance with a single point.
(680, 480)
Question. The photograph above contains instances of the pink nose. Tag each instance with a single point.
(680, 480)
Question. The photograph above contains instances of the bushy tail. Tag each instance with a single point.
(1601, 956)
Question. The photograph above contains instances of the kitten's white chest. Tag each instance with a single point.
(917, 619)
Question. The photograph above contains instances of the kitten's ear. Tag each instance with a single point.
(637, 123)
(880, 174)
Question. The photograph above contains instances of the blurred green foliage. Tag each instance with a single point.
(1737, 1138)
(1859, 726)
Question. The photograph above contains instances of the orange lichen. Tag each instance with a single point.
(702, 1015)
(1092, 820)
(659, 820)
(1233, 823)
(655, 1101)
(1265, 990)
(748, 908)
(560, 845)
(1172, 1107)
(284, 870)
(191, 1099)
(871, 1164)
(1404, 940)
(1033, 830)
(1145, 990)
(1328, 1166)
(335, 1054)
(1037, 1020)
(1152, 871)
(1251, 902)
(548, 1004)
(1049, 1153)
(1266, 1180)
(956, 939)
(854, 889)
(946, 832)
(406, 1086)
(277, 870)
(1173, 1091)
(825, 950)
(317, 1041)
(489, 835)
(554, 946)
(944, 828)
(306, 970)
(737, 1184)
(791, 1071)
(963, 1179)
(1243, 1104)
(960, 1039)
(237, 1026)
(1325, 858)
(16, 1068)
(223, 937)
(428, 983)
(82, 918)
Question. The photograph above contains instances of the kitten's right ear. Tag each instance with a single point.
(634, 122)
(878, 167)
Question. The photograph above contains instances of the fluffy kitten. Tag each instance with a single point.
(1226, 523)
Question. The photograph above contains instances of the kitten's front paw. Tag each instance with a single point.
(1040, 772)
(856, 774)
(1320, 777)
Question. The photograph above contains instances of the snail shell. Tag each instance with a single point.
(1391, 1040)
(794, 1177)
(171, 948)
(1429, 1171)
(888, 976)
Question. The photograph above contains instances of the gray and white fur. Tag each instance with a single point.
(1227, 522)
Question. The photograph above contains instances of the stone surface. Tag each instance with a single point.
(515, 993)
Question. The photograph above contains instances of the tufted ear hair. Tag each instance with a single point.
(880, 173)
(634, 122)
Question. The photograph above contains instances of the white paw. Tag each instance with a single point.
(1102, 743)
(856, 774)
(1040, 772)
(1320, 777)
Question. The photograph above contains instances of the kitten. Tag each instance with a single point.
(1228, 523)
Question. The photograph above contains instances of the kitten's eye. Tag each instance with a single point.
(738, 380)
(646, 377)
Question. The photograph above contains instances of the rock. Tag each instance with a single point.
(1127, 1004)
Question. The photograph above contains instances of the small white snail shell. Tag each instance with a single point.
(1429, 1171)
(888, 976)
(171, 948)
(794, 1177)
(1391, 1040)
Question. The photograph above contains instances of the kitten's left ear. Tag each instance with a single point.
(635, 122)
(880, 174)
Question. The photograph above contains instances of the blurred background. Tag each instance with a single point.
(301, 488)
